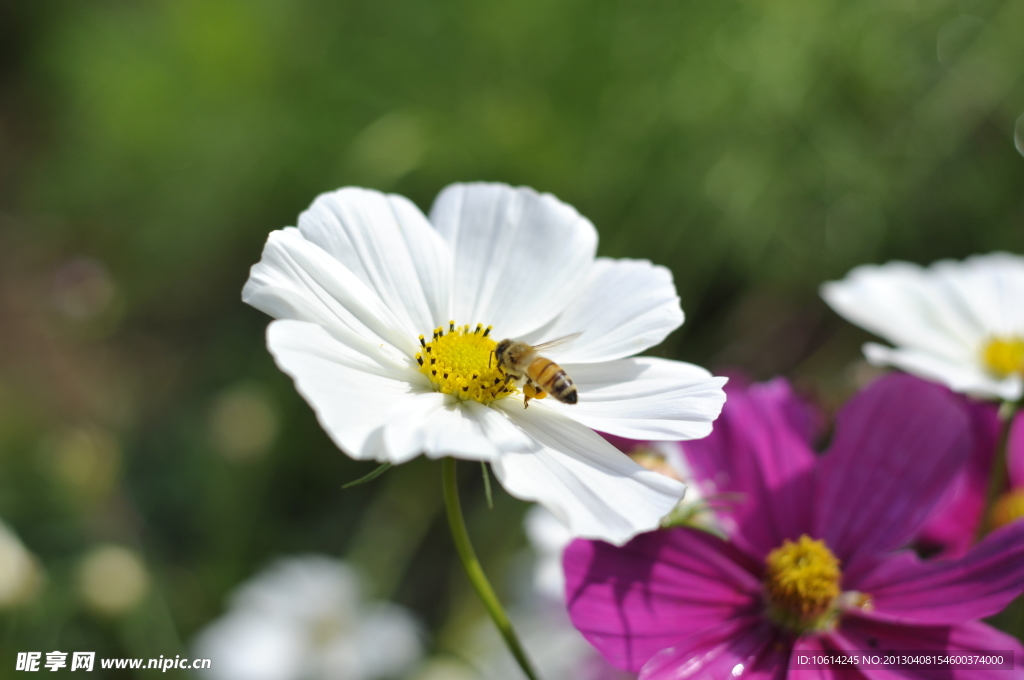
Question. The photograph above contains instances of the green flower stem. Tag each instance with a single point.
(377, 472)
(475, 572)
(997, 478)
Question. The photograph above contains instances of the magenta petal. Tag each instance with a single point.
(1015, 451)
(862, 632)
(632, 602)
(805, 417)
(897, 446)
(747, 647)
(979, 584)
(952, 527)
(759, 463)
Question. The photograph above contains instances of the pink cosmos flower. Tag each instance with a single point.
(1010, 506)
(953, 527)
(816, 559)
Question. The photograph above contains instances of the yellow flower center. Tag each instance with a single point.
(460, 362)
(1004, 356)
(802, 583)
(1008, 508)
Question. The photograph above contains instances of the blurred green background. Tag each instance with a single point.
(148, 148)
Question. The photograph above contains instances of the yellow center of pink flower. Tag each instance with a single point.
(460, 362)
(1008, 508)
(802, 582)
(1004, 356)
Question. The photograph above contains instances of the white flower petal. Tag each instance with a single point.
(625, 307)
(519, 256)
(350, 402)
(644, 398)
(436, 425)
(957, 376)
(588, 484)
(899, 302)
(497, 427)
(387, 242)
(988, 287)
(296, 279)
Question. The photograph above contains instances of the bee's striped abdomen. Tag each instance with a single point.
(553, 379)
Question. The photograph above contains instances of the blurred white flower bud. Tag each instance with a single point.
(20, 574)
(86, 461)
(242, 423)
(112, 579)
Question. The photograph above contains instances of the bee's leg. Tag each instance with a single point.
(538, 392)
(529, 392)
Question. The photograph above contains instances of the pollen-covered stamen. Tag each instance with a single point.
(1004, 356)
(460, 361)
(802, 583)
(1008, 508)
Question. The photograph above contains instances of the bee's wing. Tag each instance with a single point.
(564, 342)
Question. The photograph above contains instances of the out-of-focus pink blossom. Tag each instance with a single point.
(953, 526)
(684, 603)
(1010, 506)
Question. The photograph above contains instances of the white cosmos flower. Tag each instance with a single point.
(958, 323)
(304, 618)
(365, 281)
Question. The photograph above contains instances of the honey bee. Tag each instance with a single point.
(521, 361)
